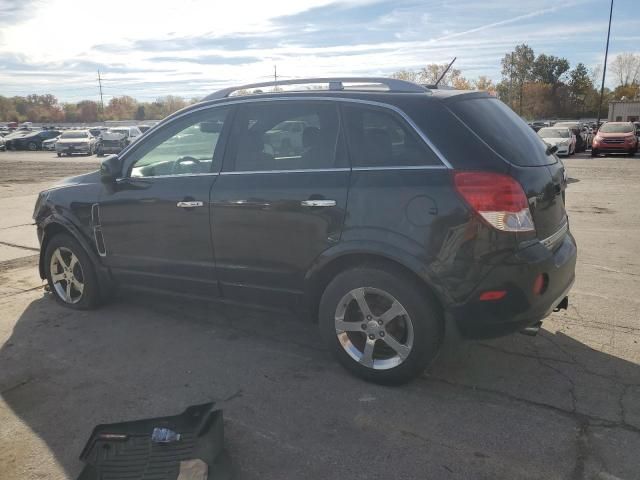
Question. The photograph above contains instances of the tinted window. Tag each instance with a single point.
(503, 131)
(285, 136)
(378, 137)
(185, 146)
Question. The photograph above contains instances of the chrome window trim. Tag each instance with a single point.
(388, 106)
(207, 174)
(401, 167)
(295, 170)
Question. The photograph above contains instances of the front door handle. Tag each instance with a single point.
(318, 203)
(190, 204)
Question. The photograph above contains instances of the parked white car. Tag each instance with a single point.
(561, 137)
(76, 141)
(50, 144)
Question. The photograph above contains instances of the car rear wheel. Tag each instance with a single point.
(59, 154)
(381, 326)
(594, 152)
(32, 146)
(70, 273)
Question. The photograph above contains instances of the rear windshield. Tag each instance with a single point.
(616, 128)
(504, 131)
(74, 135)
(554, 133)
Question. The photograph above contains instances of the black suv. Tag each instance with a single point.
(32, 140)
(389, 211)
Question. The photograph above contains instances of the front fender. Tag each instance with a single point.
(56, 223)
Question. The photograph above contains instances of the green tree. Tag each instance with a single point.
(140, 113)
(517, 69)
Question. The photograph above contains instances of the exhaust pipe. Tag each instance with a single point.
(532, 330)
(564, 303)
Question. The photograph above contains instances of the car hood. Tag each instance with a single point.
(91, 177)
(614, 135)
(73, 140)
(112, 136)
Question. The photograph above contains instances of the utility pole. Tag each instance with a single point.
(101, 100)
(604, 69)
(275, 78)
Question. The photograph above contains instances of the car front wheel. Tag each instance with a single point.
(70, 273)
(381, 326)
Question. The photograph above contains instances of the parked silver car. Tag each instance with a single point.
(76, 141)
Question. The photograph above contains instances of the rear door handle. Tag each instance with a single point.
(190, 204)
(318, 203)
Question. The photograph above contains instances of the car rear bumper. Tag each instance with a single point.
(79, 149)
(110, 149)
(520, 307)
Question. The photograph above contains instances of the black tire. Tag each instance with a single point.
(631, 153)
(594, 152)
(32, 146)
(421, 309)
(90, 296)
(59, 154)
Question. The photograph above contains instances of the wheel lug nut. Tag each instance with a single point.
(363, 326)
(372, 337)
(368, 317)
(382, 334)
(379, 322)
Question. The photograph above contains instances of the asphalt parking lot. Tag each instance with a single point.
(562, 405)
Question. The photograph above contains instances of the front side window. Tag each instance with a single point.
(185, 146)
(287, 135)
(379, 138)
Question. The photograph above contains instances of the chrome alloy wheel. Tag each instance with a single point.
(374, 328)
(66, 275)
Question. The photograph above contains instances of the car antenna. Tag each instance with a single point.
(435, 85)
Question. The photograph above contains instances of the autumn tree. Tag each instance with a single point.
(87, 111)
(517, 68)
(121, 108)
(626, 68)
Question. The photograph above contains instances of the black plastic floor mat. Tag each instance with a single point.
(153, 449)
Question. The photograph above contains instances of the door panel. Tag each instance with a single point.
(152, 242)
(156, 221)
(280, 200)
(265, 239)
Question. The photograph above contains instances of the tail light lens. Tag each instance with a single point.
(497, 198)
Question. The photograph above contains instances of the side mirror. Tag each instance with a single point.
(551, 149)
(110, 169)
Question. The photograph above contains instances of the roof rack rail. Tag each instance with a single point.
(335, 84)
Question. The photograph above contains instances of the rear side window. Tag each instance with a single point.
(503, 131)
(287, 135)
(378, 137)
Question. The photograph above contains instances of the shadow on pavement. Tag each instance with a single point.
(511, 408)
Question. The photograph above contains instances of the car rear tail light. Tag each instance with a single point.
(497, 198)
(490, 295)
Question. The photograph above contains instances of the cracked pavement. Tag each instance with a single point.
(562, 405)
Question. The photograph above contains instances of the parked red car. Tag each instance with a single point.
(615, 137)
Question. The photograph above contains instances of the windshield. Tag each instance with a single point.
(616, 128)
(121, 131)
(74, 135)
(554, 133)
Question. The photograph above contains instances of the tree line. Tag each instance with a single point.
(534, 86)
(46, 109)
(543, 86)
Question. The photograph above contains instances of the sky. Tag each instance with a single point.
(147, 49)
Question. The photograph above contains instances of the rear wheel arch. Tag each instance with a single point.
(318, 279)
